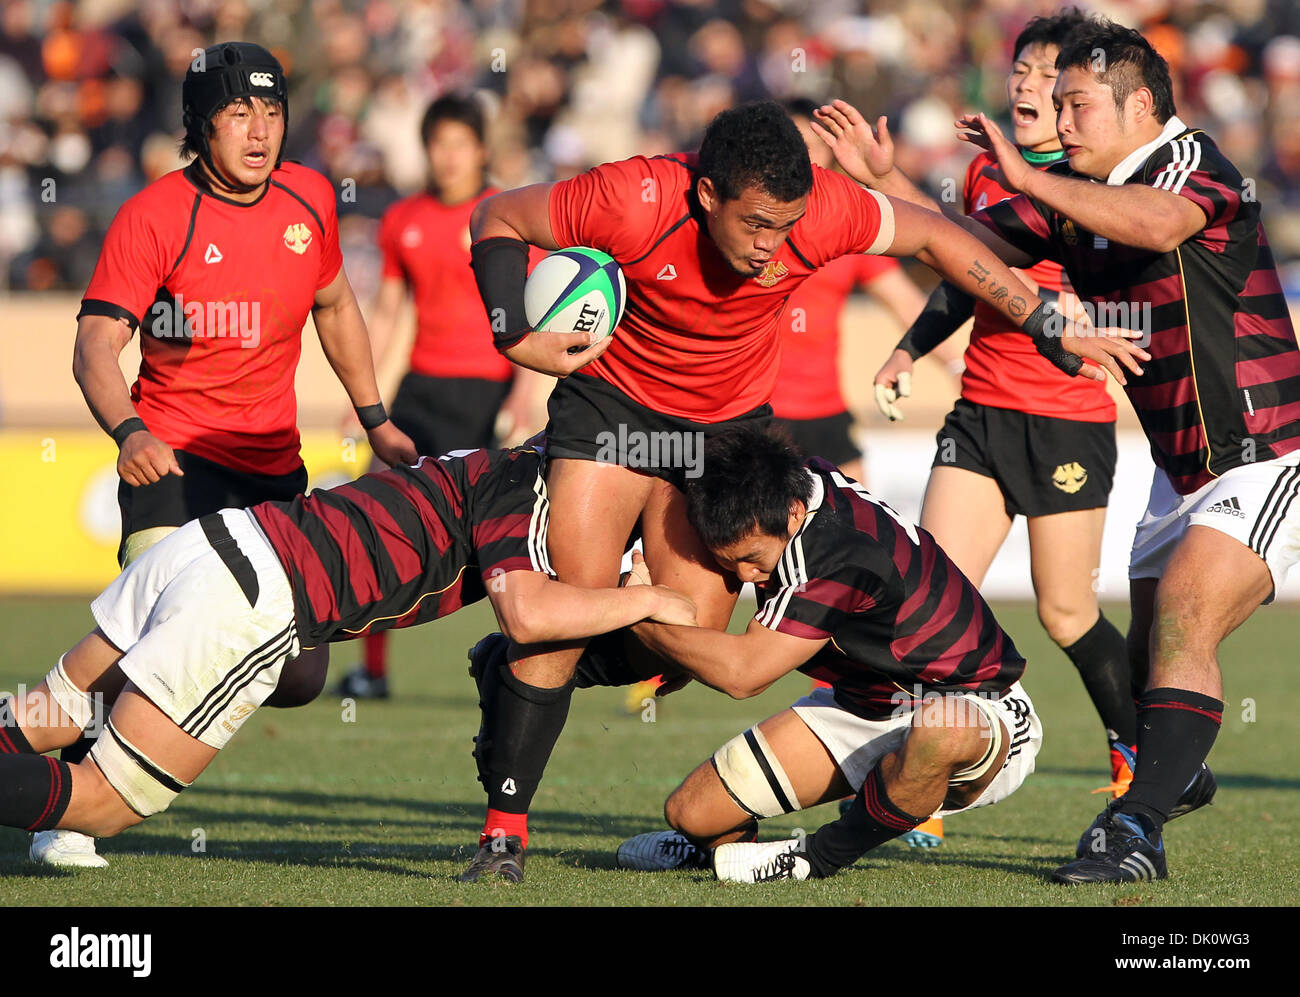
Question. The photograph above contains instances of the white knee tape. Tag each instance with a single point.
(991, 752)
(752, 774)
(78, 705)
(145, 787)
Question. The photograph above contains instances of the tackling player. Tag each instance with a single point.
(457, 384)
(218, 265)
(204, 622)
(1173, 239)
(711, 247)
(925, 713)
(1025, 438)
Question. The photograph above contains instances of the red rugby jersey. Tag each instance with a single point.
(426, 243)
(808, 385)
(1003, 369)
(220, 291)
(700, 341)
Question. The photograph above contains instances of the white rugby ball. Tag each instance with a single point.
(576, 290)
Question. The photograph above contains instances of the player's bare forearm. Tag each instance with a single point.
(533, 609)
(740, 665)
(100, 341)
(712, 657)
(342, 332)
(963, 260)
(523, 213)
(1131, 214)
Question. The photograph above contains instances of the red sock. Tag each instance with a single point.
(499, 823)
(376, 646)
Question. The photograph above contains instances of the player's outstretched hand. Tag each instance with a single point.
(893, 382)
(983, 131)
(391, 445)
(558, 353)
(1111, 348)
(865, 155)
(144, 459)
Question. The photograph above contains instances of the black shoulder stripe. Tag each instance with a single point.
(676, 225)
(674, 159)
(303, 201)
(93, 306)
(189, 235)
(795, 249)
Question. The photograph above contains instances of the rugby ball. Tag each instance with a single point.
(576, 290)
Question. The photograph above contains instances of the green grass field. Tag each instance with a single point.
(307, 807)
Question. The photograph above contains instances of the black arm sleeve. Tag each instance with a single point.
(949, 306)
(500, 267)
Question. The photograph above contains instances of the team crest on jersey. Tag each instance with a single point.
(1069, 234)
(412, 237)
(772, 272)
(1070, 477)
(297, 237)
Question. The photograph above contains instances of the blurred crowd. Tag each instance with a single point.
(90, 92)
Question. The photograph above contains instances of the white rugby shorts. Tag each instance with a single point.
(857, 745)
(205, 618)
(1257, 505)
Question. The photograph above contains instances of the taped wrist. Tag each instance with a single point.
(1044, 326)
(947, 308)
(500, 266)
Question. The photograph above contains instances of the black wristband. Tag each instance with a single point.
(371, 415)
(1044, 326)
(125, 428)
(500, 267)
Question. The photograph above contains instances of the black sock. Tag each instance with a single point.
(12, 739)
(522, 727)
(77, 751)
(870, 821)
(1176, 730)
(1101, 656)
(34, 791)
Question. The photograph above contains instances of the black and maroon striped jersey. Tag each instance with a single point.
(410, 544)
(902, 619)
(1222, 388)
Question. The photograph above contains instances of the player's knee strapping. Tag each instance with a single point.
(993, 746)
(753, 776)
(78, 705)
(146, 787)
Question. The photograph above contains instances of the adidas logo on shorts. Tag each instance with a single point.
(1229, 507)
